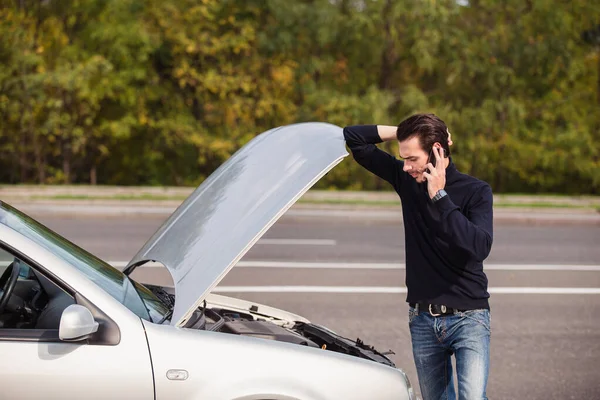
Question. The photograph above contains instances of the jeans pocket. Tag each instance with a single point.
(412, 313)
(482, 317)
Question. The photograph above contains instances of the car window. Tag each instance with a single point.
(24, 271)
(6, 259)
(113, 281)
(33, 303)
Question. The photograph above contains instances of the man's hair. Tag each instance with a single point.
(428, 128)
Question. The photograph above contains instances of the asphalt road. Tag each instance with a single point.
(544, 346)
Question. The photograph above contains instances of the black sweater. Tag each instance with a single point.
(446, 241)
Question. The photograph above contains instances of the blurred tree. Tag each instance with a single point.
(162, 92)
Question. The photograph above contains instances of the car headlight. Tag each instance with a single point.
(411, 392)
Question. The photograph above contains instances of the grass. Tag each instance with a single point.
(541, 205)
(496, 204)
(349, 202)
(550, 195)
(145, 196)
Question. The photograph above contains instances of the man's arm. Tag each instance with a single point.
(387, 132)
(475, 233)
(361, 140)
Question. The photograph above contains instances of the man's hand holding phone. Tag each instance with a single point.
(435, 175)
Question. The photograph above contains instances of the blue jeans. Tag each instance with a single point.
(436, 339)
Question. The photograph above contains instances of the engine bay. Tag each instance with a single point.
(254, 324)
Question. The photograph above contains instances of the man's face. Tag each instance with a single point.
(415, 158)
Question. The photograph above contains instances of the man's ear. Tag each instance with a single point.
(439, 146)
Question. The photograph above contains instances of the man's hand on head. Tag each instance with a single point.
(387, 132)
(436, 177)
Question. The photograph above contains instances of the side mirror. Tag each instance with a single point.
(76, 323)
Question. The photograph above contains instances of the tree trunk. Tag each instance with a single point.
(597, 122)
(23, 157)
(378, 183)
(598, 76)
(67, 170)
(499, 173)
(67, 161)
(93, 177)
(388, 58)
(40, 162)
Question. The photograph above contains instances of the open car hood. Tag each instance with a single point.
(223, 218)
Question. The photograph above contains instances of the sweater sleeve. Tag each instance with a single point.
(473, 233)
(361, 140)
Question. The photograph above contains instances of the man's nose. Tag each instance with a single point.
(407, 167)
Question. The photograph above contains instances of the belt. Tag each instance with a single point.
(434, 309)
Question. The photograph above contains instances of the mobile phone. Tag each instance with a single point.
(432, 158)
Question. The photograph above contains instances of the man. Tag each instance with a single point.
(448, 234)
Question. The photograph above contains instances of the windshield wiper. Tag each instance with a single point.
(166, 299)
(166, 317)
(162, 297)
(127, 271)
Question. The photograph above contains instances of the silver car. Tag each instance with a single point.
(74, 327)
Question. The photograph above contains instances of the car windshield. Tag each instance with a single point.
(133, 295)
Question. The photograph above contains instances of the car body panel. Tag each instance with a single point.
(225, 367)
(221, 220)
(61, 370)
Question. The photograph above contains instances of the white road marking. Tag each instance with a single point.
(542, 290)
(486, 267)
(540, 267)
(392, 290)
(292, 242)
(317, 265)
(341, 265)
(309, 289)
(388, 289)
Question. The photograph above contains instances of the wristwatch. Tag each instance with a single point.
(441, 193)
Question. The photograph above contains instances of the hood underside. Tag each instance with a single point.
(223, 218)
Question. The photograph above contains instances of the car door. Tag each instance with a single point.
(114, 363)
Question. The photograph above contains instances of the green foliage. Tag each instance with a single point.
(161, 92)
